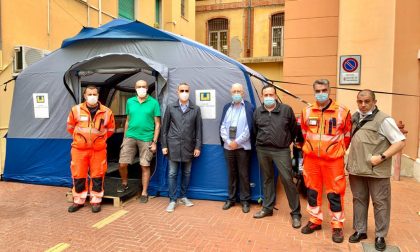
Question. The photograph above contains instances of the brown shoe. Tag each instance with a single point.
(75, 207)
(310, 228)
(96, 207)
(337, 235)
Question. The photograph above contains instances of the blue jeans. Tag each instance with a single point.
(173, 175)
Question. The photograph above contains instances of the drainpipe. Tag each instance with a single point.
(48, 17)
(100, 13)
(248, 44)
(88, 13)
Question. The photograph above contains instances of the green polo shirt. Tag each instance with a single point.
(141, 124)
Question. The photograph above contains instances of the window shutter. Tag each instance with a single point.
(126, 9)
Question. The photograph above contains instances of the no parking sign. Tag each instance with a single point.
(350, 69)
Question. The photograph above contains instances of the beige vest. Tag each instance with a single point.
(365, 143)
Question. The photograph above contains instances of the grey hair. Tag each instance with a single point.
(183, 84)
(324, 82)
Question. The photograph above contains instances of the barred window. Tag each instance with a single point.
(218, 34)
(277, 31)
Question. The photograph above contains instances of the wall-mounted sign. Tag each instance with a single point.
(206, 100)
(350, 69)
(41, 109)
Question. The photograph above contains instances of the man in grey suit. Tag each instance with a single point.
(181, 142)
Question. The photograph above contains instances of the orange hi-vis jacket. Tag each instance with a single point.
(87, 132)
(326, 131)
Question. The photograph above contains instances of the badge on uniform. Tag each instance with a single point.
(313, 121)
(84, 118)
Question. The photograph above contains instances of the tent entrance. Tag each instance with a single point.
(115, 76)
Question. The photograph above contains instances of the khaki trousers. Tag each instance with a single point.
(379, 189)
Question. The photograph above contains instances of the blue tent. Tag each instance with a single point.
(113, 56)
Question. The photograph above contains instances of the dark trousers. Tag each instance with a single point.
(379, 189)
(238, 162)
(283, 161)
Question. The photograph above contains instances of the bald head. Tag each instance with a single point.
(237, 86)
(237, 91)
(141, 84)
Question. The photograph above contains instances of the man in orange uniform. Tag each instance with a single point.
(326, 129)
(90, 124)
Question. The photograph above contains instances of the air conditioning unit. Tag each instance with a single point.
(25, 56)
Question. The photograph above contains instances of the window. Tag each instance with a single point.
(218, 34)
(277, 30)
(158, 12)
(126, 9)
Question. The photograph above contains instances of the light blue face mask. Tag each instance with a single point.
(269, 101)
(321, 97)
(237, 98)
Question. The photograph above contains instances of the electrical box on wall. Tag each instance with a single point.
(25, 56)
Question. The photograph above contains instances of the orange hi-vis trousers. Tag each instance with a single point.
(82, 163)
(320, 172)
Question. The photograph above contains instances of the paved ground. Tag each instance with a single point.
(35, 218)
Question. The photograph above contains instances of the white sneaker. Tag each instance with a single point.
(186, 202)
(171, 207)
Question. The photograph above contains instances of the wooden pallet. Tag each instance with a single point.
(110, 188)
(117, 201)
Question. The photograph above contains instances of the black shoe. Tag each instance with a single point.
(75, 207)
(245, 207)
(96, 207)
(262, 213)
(228, 204)
(310, 228)
(337, 235)
(356, 237)
(122, 188)
(296, 223)
(380, 244)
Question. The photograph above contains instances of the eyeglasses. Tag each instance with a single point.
(184, 91)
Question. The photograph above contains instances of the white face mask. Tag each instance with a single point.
(184, 96)
(92, 100)
(141, 92)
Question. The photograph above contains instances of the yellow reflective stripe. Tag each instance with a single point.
(110, 219)
(59, 247)
(106, 118)
(77, 115)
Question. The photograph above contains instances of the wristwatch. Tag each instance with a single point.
(383, 157)
(153, 141)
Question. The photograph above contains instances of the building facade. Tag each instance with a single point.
(386, 37)
(248, 31)
(43, 25)
(299, 41)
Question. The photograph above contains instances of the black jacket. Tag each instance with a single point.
(275, 129)
(182, 132)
